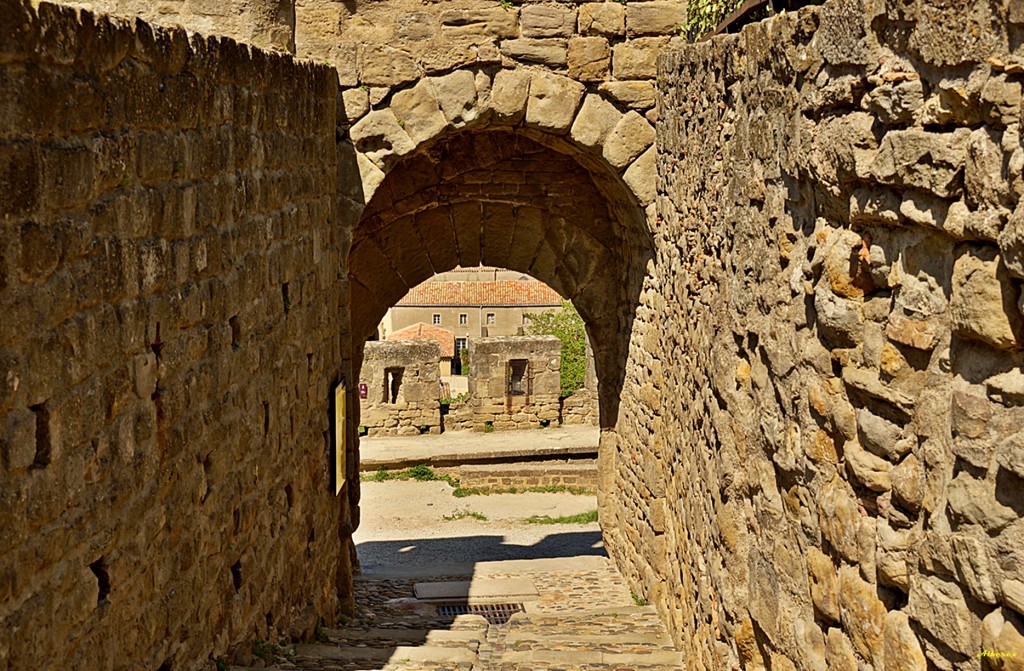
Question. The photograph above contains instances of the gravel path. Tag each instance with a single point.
(404, 526)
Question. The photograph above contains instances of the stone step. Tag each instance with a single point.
(382, 637)
(568, 660)
(629, 642)
(413, 654)
(640, 620)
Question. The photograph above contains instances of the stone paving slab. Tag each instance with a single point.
(476, 590)
(584, 619)
(411, 653)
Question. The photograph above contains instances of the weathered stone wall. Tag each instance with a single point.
(268, 24)
(416, 408)
(582, 476)
(170, 302)
(581, 408)
(379, 47)
(820, 455)
(489, 404)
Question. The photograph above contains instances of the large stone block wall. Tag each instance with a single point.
(170, 301)
(819, 459)
(416, 408)
(489, 406)
(380, 47)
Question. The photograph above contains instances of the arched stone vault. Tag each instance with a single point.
(517, 169)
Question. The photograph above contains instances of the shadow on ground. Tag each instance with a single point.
(426, 552)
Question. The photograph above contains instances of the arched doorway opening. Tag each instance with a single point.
(510, 197)
(516, 199)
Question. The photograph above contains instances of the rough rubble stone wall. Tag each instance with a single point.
(489, 405)
(416, 406)
(169, 297)
(820, 460)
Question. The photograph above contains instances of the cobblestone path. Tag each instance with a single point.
(583, 619)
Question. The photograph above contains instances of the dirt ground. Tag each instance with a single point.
(403, 527)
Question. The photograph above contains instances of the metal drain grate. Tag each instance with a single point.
(494, 613)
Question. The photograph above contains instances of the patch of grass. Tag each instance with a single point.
(461, 492)
(638, 600)
(463, 514)
(582, 518)
(363, 430)
(321, 635)
(458, 398)
(270, 652)
(488, 427)
(420, 472)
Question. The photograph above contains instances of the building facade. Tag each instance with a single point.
(472, 302)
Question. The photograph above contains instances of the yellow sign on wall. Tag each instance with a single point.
(340, 431)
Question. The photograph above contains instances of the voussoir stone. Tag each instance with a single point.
(637, 95)
(642, 176)
(632, 135)
(382, 135)
(418, 111)
(553, 101)
(595, 121)
(456, 94)
(509, 93)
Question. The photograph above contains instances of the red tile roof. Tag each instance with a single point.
(495, 293)
(421, 331)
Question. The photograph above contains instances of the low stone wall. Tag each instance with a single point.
(819, 462)
(503, 476)
(581, 408)
(490, 406)
(415, 408)
(168, 342)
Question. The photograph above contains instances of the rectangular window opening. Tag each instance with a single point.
(392, 384)
(463, 319)
(437, 318)
(490, 318)
(517, 379)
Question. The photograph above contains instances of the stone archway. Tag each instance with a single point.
(518, 169)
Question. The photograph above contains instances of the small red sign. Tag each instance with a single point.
(362, 390)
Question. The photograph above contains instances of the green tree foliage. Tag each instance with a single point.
(567, 325)
(703, 16)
